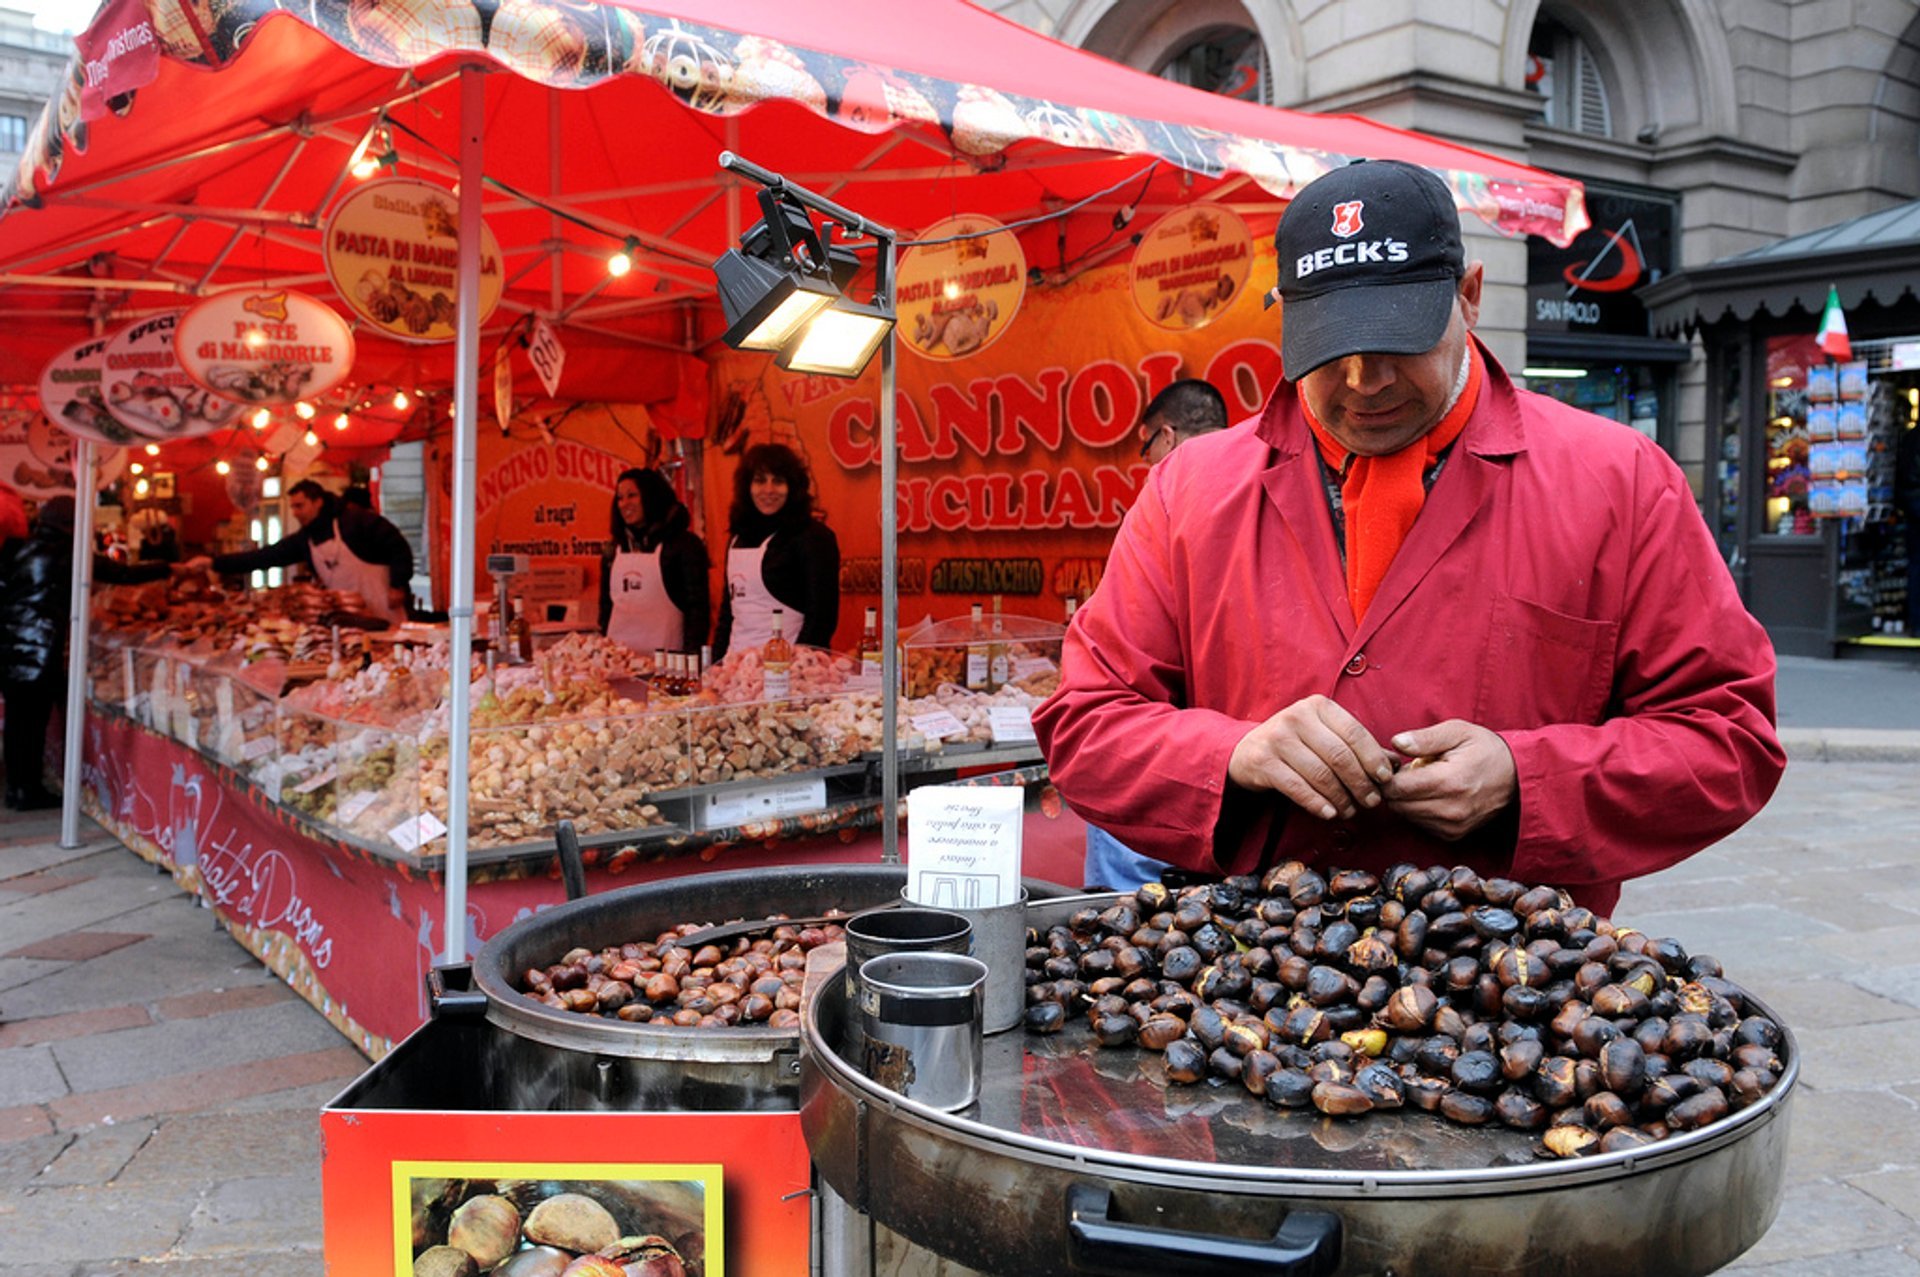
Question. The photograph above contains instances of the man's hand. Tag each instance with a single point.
(1460, 777)
(198, 563)
(1316, 754)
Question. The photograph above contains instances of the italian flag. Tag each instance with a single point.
(1833, 328)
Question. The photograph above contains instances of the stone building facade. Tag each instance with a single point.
(1703, 128)
(31, 64)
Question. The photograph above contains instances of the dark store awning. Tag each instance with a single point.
(1875, 258)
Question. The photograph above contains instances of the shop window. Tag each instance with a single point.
(13, 132)
(1726, 526)
(1785, 509)
(1230, 61)
(1563, 72)
(1626, 393)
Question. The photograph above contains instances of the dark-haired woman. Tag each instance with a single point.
(780, 555)
(653, 578)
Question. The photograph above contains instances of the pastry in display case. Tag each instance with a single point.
(974, 679)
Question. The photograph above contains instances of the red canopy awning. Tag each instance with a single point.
(214, 164)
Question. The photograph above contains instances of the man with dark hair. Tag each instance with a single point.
(1412, 612)
(1184, 410)
(348, 549)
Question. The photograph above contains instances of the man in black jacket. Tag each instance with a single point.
(347, 547)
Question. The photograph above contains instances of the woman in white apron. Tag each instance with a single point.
(780, 555)
(348, 548)
(653, 577)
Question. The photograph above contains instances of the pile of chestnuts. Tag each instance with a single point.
(1476, 998)
(516, 1228)
(750, 980)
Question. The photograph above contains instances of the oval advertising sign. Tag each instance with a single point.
(73, 398)
(955, 299)
(1190, 266)
(264, 347)
(149, 393)
(393, 252)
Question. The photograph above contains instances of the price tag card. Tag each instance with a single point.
(223, 708)
(963, 845)
(1028, 666)
(938, 725)
(316, 780)
(351, 809)
(1012, 724)
(258, 747)
(416, 832)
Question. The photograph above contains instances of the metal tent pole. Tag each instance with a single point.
(889, 597)
(84, 497)
(466, 406)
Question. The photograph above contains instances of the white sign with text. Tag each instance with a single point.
(963, 845)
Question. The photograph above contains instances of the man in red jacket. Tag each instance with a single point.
(1411, 612)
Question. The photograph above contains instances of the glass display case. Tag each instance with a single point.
(974, 679)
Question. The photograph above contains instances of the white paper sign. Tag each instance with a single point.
(547, 355)
(258, 747)
(316, 780)
(350, 809)
(416, 832)
(963, 845)
(1010, 723)
(1027, 666)
(938, 725)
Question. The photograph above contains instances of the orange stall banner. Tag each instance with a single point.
(1017, 464)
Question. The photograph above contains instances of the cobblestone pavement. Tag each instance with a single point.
(160, 1090)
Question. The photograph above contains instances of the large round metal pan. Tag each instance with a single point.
(1082, 1160)
(599, 1062)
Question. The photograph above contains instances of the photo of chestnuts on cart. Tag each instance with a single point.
(1479, 999)
(558, 1228)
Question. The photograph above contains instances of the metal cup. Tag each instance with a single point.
(1000, 941)
(921, 1017)
(877, 932)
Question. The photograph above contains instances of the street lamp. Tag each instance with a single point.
(835, 336)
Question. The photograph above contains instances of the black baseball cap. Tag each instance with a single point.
(1370, 260)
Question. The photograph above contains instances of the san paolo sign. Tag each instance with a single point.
(1588, 286)
(264, 347)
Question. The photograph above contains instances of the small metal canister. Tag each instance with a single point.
(886, 930)
(922, 1016)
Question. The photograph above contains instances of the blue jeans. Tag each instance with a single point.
(1113, 864)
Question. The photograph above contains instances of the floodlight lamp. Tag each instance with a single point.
(765, 303)
(622, 259)
(839, 341)
(374, 153)
(785, 235)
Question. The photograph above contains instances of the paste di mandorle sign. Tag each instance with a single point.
(148, 391)
(1190, 266)
(264, 347)
(393, 253)
(955, 299)
(74, 398)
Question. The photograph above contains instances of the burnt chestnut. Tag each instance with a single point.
(1255, 1068)
(1289, 1088)
(1515, 1108)
(1381, 1085)
(1520, 1059)
(1425, 1093)
(1698, 1110)
(1623, 1067)
(1307, 888)
(1181, 964)
(1605, 1110)
(1571, 1141)
(1340, 1099)
(1046, 1017)
(1477, 1072)
(1554, 1081)
(1186, 1061)
(1224, 1063)
(1328, 986)
(1466, 1108)
(1115, 1030)
(1622, 1138)
(1410, 1008)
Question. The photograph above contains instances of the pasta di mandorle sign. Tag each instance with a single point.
(264, 347)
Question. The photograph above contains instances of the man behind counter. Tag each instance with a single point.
(1414, 613)
(349, 548)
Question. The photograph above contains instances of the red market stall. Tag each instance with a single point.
(203, 146)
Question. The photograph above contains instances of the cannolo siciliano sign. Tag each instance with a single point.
(393, 253)
(264, 346)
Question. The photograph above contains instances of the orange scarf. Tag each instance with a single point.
(1382, 496)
